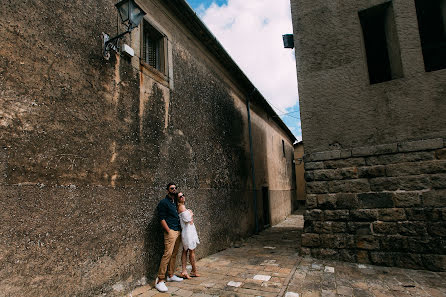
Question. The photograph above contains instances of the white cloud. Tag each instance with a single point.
(251, 32)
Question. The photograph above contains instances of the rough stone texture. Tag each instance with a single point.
(375, 200)
(441, 154)
(336, 215)
(374, 150)
(420, 145)
(372, 171)
(326, 155)
(359, 228)
(403, 210)
(313, 165)
(349, 186)
(310, 239)
(435, 198)
(326, 201)
(87, 146)
(389, 208)
(382, 145)
(350, 162)
(317, 187)
(346, 201)
(311, 201)
(352, 113)
(406, 199)
(400, 158)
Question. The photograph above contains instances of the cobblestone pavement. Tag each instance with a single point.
(268, 265)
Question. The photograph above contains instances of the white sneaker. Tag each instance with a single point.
(161, 286)
(174, 278)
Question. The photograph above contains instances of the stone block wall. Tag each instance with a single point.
(383, 205)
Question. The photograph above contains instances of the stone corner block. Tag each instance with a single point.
(311, 240)
(346, 153)
(441, 154)
(367, 242)
(434, 198)
(311, 201)
(406, 199)
(421, 145)
(313, 165)
(327, 155)
(375, 200)
(375, 150)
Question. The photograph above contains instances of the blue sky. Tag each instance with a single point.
(251, 32)
(206, 3)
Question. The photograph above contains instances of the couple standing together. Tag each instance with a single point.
(178, 226)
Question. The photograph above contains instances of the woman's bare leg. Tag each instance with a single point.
(192, 262)
(184, 263)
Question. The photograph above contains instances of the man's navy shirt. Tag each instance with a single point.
(167, 210)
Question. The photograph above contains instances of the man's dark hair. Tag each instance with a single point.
(170, 184)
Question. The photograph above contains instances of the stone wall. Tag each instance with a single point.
(375, 151)
(384, 205)
(340, 109)
(88, 145)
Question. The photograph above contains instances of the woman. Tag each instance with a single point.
(188, 236)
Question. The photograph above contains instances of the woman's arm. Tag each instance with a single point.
(185, 216)
(181, 208)
(192, 216)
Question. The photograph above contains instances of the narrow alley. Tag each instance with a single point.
(269, 265)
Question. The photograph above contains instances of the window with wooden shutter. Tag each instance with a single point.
(153, 47)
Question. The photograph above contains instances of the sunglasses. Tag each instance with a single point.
(181, 196)
(172, 188)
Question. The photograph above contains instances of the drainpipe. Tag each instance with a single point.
(252, 160)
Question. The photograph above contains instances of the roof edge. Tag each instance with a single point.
(194, 24)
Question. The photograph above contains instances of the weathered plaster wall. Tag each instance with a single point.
(87, 146)
(273, 169)
(374, 154)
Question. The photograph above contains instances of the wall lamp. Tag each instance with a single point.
(288, 41)
(131, 15)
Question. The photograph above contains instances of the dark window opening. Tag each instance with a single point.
(153, 47)
(283, 147)
(381, 43)
(265, 203)
(431, 16)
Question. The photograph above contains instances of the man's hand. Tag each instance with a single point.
(165, 226)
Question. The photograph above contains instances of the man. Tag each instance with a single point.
(170, 222)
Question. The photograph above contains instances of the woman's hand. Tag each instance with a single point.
(192, 215)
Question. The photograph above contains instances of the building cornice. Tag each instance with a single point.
(182, 10)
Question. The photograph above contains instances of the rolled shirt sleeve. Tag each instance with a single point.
(162, 210)
(167, 211)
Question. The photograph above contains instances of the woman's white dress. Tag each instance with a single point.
(189, 234)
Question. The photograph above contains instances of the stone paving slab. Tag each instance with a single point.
(268, 264)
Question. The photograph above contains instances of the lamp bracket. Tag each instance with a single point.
(109, 44)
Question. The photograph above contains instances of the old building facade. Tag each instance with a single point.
(372, 77)
(87, 145)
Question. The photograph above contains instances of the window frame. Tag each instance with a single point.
(161, 72)
(433, 39)
(381, 43)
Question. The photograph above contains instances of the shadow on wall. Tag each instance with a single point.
(260, 151)
(153, 246)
